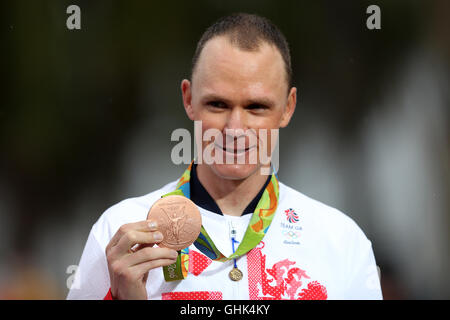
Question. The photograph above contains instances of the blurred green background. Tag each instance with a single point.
(86, 117)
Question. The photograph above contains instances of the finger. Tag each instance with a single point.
(138, 247)
(144, 226)
(132, 238)
(149, 254)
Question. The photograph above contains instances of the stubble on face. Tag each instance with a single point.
(235, 91)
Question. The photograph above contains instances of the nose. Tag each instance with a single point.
(236, 126)
(236, 119)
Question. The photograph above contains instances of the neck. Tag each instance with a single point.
(232, 196)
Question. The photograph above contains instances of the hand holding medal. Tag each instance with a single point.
(173, 223)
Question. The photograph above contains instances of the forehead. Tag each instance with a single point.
(225, 67)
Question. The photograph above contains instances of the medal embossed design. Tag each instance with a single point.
(178, 219)
(236, 274)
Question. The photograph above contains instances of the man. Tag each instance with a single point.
(261, 239)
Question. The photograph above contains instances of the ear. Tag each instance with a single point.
(290, 107)
(187, 98)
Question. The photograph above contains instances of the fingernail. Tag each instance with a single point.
(152, 224)
(158, 236)
(174, 254)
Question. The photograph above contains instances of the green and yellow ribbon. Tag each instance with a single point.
(259, 224)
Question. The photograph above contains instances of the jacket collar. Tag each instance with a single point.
(203, 199)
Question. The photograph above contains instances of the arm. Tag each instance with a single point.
(363, 279)
(91, 279)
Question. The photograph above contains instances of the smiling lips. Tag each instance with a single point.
(234, 150)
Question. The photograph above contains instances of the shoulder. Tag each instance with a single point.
(322, 218)
(126, 211)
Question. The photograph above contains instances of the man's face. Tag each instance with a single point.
(236, 91)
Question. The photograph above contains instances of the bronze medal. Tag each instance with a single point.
(178, 219)
(236, 274)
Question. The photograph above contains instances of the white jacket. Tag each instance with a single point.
(310, 251)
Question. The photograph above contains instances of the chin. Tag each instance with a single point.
(234, 171)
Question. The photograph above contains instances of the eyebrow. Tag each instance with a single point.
(260, 100)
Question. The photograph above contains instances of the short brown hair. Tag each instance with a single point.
(247, 32)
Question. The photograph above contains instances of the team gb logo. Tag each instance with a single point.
(291, 215)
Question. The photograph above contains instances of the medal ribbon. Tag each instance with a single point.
(257, 228)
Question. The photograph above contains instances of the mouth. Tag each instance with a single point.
(234, 150)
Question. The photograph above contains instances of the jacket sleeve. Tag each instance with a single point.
(91, 279)
(363, 280)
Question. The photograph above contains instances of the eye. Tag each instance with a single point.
(216, 104)
(257, 107)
